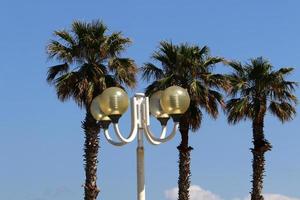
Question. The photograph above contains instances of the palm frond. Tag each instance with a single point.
(209, 62)
(97, 28)
(124, 70)
(204, 51)
(238, 109)
(66, 36)
(212, 106)
(150, 71)
(285, 70)
(152, 88)
(237, 66)
(65, 85)
(283, 91)
(283, 111)
(215, 80)
(56, 70)
(61, 52)
(107, 81)
(80, 29)
(194, 116)
(116, 43)
(217, 96)
(166, 55)
(167, 81)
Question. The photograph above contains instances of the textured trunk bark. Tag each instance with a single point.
(91, 146)
(261, 145)
(184, 161)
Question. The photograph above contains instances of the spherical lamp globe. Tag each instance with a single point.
(175, 100)
(113, 102)
(155, 107)
(96, 112)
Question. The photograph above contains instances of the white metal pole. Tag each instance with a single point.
(140, 167)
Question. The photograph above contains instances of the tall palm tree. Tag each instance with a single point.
(260, 88)
(90, 62)
(190, 67)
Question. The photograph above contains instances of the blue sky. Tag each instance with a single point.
(41, 139)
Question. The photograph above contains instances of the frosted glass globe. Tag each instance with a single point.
(96, 112)
(175, 100)
(113, 101)
(155, 107)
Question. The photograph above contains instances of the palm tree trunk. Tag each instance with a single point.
(184, 161)
(91, 146)
(261, 145)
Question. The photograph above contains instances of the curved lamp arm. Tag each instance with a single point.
(110, 140)
(134, 125)
(130, 138)
(149, 135)
(154, 140)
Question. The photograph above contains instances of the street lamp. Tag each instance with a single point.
(109, 106)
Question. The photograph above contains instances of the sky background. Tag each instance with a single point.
(41, 139)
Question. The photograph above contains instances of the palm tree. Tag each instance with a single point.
(90, 62)
(190, 67)
(260, 88)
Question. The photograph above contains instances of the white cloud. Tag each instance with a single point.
(275, 197)
(198, 193)
(278, 197)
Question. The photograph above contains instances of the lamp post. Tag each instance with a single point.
(108, 107)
